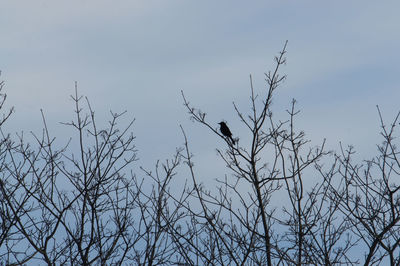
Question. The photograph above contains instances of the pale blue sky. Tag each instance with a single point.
(342, 60)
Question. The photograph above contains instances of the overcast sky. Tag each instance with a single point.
(137, 56)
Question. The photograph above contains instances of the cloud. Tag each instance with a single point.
(138, 55)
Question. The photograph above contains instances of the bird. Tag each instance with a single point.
(225, 131)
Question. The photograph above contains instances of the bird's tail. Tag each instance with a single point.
(233, 141)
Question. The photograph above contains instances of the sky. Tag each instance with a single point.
(137, 56)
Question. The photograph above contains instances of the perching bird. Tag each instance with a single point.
(225, 131)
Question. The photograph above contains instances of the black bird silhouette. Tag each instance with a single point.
(225, 131)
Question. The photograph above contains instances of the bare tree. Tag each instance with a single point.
(8, 218)
(81, 203)
(368, 196)
(77, 208)
(283, 200)
(308, 229)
